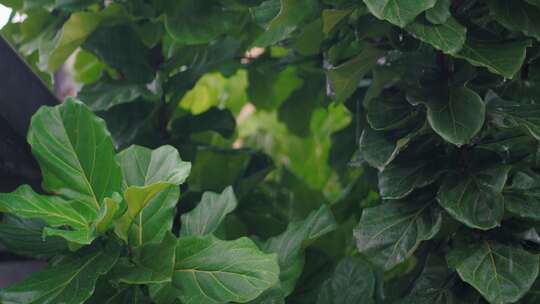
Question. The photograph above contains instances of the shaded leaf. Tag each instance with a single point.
(448, 36)
(398, 12)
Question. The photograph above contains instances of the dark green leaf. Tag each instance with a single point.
(398, 12)
(517, 16)
(501, 273)
(353, 281)
(475, 199)
(440, 12)
(390, 233)
(448, 37)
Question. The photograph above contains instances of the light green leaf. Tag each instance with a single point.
(152, 263)
(141, 167)
(332, 17)
(56, 212)
(137, 198)
(77, 29)
(458, 118)
(501, 273)
(390, 233)
(288, 245)
(448, 37)
(71, 280)
(516, 16)
(475, 199)
(398, 12)
(212, 271)
(353, 281)
(440, 12)
(209, 213)
(499, 57)
(75, 153)
(292, 14)
(345, 78)
(107, 213)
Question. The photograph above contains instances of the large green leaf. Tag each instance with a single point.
(151, 263)
(398, 12)
(288, 245)
(102, 96)
(475, 199)
(389, 113)
(379, 148)
(211, 271)
(501, 273)
(500, 57)
(440, 13)
(69, 280)
(448, 37)
(209, 213)
(144, 167)
(75, 152)
(391, 232)
(55, 211)
(353, 281)
(345, 78)
(517, 16)
(458, 118)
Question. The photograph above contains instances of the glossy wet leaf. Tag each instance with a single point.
(209, 213)
(501, 273)
(75, 153)
(389, 233)
(209, 270)
(476, 199)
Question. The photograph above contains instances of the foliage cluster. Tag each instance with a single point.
(333, 151)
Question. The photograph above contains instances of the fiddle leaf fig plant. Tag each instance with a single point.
(116, 213)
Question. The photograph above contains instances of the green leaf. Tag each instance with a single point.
(152, 263)
(353, 281)
(209, 213)
(195, 22)
(440, 13)
(144, 167)
(522, 196)
(398, 12)
(458, 118)
(107, 213)
(292, 14)
(517, 16)
(513, 114)
(21, 237)
(288, 245)
(448, 37)
(389, 113)
(75, 153)
(345, 78)
(500, 57)
(70, 280)
(390, 233)
(332, 17)
(400, 178)
(209, 270)
(102, 96)
(501, 273)
(56, 212)
(380, 148)
(77, 29)
(437, 284)
(475, 199)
